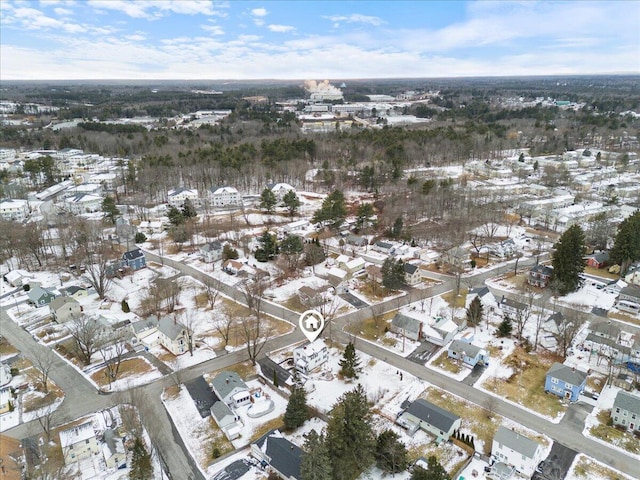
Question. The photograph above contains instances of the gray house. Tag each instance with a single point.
(432, 419)
(470, 354)
(64, 309)
(515, 450)
(278, 454)
(229, 388)
(626, 411)
(40, 297)
(406, 326)
(512, 307)
(211, 251)
(629, 299)
(228, 422)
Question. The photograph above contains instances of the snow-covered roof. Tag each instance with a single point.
(76, 434)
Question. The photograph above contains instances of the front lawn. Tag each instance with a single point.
(614, 436)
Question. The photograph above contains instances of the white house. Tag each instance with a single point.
(226, 419)
(211, 251)
(230, 389)
(308, 357)
(5, 374)
(82, 203)
(224, 197)
(430, 418)
(412, 275)
(514, 449)
(18, 278)
(167, 332)
(280, 189)
(14, 209)
(78, 443)
(177, 196)
(115, 455)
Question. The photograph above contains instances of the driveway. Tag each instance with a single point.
(473, 377)
(423, 353)
(201, 395)
(557, 464)
(233, 471)
(353, 300)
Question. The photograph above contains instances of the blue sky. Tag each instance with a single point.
(192, 39)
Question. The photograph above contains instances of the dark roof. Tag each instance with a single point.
(133, 254)
(72, 289)
(469, 349)
(382, 244)
(631, 291)
(285, 456)
(592, 337)
(410, 268)
(406, 323)
(556, 318)
(600, 257)
(268, 366)
(542, 269)
(432, 414)
(515, 441)
(606, 328)
(213, 245)
(567, 374)
(225, 382)
(479, 291)
(513, 303)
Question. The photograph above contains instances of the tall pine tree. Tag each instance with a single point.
(626, 247)
(434, 471)
(391, 453)
(567, 261)
(141, 467)
(475, 311)
(350, 362)
(350, 438)
(297, 411)
(315, 463)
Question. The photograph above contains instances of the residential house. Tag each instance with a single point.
(470, 354)
(424, 415)
(173, 335)
(412, 275)
(312, 297)
(311, 356)
(211, 252)
(606, 330)
(280, 190)
(626, 411)
(224, 197)
(64, 309)
(229, 422)
(516, 450)
(337, 278)
(629, 299)
(81, 203)
(134, 259)
(539, 275)
(17, 278)
(78, 443)
(351, 265)
(440, 331)
(565, 382)
(40, 297)
(232, 267)
(356, 240)
(406, 326)
(278, 454)
(297, 226)
(14, 209)
(271, 370)
(113, 451)
(150, 227)
(178, 196)
(385, 248)
(486, 297)
(75, 292)
(512, 307)
(6, 400)
(374, 273)
(457, 257)
(229, 388)
(633, 277)
(598, 260)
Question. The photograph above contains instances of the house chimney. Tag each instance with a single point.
(227, 379)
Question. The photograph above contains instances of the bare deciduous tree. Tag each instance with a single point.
(188, 320)
(255, 329)
(490, 405)
(98, 267)
(223, 327)
(86, 333)
(43, 361)
(47, 420)
(112, 353)
(567, 331)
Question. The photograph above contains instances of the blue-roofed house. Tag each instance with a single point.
(565, 382)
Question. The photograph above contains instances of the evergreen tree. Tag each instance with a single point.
(292, 202)
(188, 210)
(434, 471)
(175, 216)
(350, 437)
(268, 200)
(567, 261)
(475, 311)
(396, 230)
(350, 362)
(141, 467)
(505, 327)
(229, 253)
(391, 453)
(140, 237)
(315, 463)
(392, 274)
(363, 216)
(110, 209)
(268, 248)
(626, 247)
(297, 411)
(333, 210)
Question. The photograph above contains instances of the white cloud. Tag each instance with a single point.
(63, 12)
(281, 28)
(136, 37)
(152, 9)
(213, 29)
(355, 18)
(259, 12)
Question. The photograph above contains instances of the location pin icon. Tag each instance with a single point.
(311, 323)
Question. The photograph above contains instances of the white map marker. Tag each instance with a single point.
(311, 323)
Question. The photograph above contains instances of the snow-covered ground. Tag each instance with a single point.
(594, 470)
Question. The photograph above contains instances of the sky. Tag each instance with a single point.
(298, 39)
